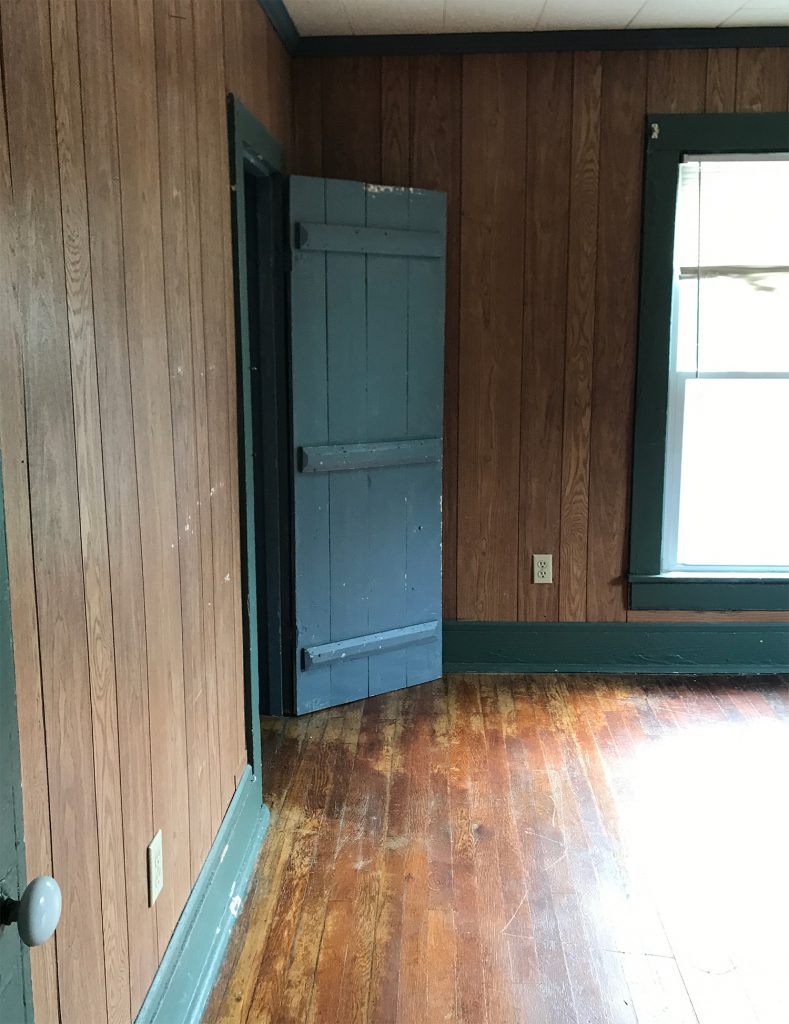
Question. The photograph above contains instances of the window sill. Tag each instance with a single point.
(709, 592)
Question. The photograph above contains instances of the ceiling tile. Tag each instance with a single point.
(319, 17)
(491, 15)
(577, 14)
(681, 14)
(395, 17)
(759, 14)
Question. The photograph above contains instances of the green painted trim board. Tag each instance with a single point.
(617, 647)
(192, 960)
(16, 994)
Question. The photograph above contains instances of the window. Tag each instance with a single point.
(710, 522)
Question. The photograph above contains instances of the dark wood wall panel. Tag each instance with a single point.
(119, 446)
(491, 326)
(549, 130)
(541, 157)
(579, 343)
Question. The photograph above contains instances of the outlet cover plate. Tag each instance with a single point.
(543, 568)
(155, 868)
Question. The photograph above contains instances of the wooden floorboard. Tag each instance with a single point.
(494, 849)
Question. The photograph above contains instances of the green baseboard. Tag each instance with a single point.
(710, 648)
(191, 963)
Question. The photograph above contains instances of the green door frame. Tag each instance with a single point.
(18, 990)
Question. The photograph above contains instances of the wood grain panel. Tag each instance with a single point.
(351, 130)
(676, 81)
(173, 30)
(120, 476)
(435, 164)
(762, 79)
(579, 346)
(24, 614)
(549, 120)
(721, 81)
(395, 121)
(491, 325)
(51, 455)
(92, 508)
(213, 211)
(138, 145)
(621, 146)
(308, 116)
(279, 115)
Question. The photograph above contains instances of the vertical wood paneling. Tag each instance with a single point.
(676, 81)
(307, 116)
(173, 40)
(579, 347)
(621, 146)
(351, 128)
(491, 325)
(395, 121)
(762, 79)
(92, 509)
(214, 177)
(135, 91)
(117, 420)
(120, 476)
(549, 121)
(435, 163)
(721, 81)
(51, 455)
(24, 614)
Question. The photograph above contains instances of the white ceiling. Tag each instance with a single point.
(385, 17)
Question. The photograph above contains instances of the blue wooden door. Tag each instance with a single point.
(367, 333)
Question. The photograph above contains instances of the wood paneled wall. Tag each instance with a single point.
(541, 156)
(118, 437)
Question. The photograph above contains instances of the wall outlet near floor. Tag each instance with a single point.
(155, 868)
(543, 568)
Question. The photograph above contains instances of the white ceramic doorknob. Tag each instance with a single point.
(37, 913)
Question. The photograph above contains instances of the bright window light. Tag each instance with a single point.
(727, 451)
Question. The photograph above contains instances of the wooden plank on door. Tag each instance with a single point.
(549, 131)
(579, 346)
(173, 29)
(51, 456)
(426, 286)
(387, 417)
(346, 347)
(120, 477)
(491, 319)
(92, 507)
(24, 615)
(621, 154)
(310, 424)
(138, 146)
(435, 164)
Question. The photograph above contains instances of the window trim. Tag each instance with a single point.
(668, 138)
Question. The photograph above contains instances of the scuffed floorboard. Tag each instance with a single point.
(550, 850)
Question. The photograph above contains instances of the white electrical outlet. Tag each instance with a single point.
(543, 568)
(155, 868)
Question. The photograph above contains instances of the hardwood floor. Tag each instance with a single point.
(551, 850)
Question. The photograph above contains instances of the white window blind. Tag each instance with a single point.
(727, 453)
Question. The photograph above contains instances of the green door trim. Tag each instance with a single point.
(668, 138)
(19, 988)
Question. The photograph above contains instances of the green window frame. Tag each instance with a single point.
(668, 138)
